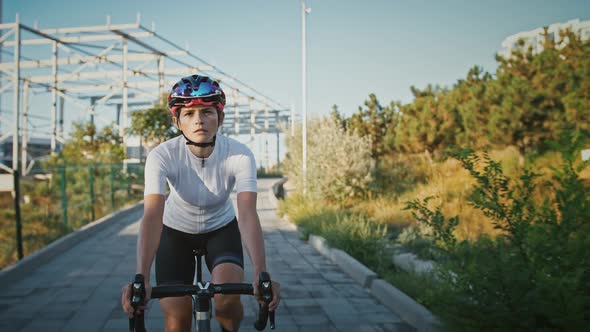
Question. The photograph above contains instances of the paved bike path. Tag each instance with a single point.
(80, 289)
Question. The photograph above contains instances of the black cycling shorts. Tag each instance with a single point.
(175, 260)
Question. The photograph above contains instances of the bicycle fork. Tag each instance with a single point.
(202, 310)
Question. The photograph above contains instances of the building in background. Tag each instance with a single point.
(37, 149)
(40, 148)
(535, 38)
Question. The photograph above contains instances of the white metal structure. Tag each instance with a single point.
(304, 11)
(93, 68)
(535, 38)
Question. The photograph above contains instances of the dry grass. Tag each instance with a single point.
(450, 185)
(384, 210)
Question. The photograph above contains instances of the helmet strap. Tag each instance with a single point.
(201, 145)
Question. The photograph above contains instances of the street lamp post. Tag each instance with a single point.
(304, 12)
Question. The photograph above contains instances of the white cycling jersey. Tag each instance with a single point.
(199, 188)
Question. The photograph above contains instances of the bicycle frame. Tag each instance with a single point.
(201, 302)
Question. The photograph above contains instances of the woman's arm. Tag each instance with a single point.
(148, 241)
(150, 230)
(251, 231)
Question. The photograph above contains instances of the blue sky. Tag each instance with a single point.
(354, 47)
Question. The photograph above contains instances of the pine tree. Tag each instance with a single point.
(429, 124)
(376, 122)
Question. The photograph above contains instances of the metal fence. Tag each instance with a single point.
(57, 200)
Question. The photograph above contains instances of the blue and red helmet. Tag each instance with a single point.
(196, 90)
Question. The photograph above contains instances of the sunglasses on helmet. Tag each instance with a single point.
(186, 90)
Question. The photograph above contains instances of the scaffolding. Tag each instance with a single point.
(105, 72)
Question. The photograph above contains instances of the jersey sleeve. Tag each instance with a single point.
(155, 174)
(245, 172)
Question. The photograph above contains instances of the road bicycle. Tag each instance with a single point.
(202, 294)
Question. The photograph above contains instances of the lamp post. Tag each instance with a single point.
(304, 12)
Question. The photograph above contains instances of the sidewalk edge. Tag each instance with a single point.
(21, 268)
(397, 301)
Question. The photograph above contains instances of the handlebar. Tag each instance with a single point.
(182, 290)
(137, 323)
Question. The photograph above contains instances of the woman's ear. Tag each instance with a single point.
(175, 121)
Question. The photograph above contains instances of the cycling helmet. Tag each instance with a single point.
(196, 90)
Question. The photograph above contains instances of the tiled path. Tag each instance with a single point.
(80, 289)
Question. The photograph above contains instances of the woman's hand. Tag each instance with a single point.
(276, 294)
(126, 299)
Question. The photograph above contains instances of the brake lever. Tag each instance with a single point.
(137, 322)
(271, 316)
(265, 288)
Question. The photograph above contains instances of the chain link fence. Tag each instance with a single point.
(55, 201)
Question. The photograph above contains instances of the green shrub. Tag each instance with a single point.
(399, 173)
(421, 287)
(535, 275)
(308, 213)
(359, 237)
(352, 232)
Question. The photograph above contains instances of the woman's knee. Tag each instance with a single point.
(177, 313)
(227, 304)
(178, 324)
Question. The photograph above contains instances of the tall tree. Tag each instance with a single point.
(429, 123)
(377, 123)
(87, 145)
(153, 125)
(546, 93)
(469, 101)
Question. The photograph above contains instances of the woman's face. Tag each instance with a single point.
(199, 123)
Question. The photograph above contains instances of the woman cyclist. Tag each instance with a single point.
(202, 168)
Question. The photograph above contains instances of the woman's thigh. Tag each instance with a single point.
(175, 261)
(224, 245)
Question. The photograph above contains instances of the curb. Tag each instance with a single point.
(321, 245)
(411, 311)
(25, 266)
(355, 269)
(397, 301)
(359, 272)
